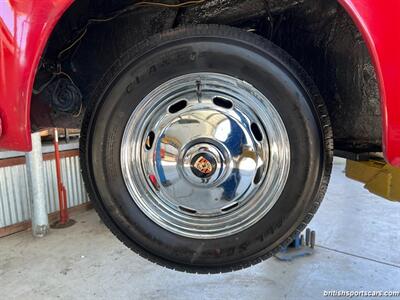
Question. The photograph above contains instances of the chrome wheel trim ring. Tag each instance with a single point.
(195, 163)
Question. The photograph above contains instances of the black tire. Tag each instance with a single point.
(207, 48)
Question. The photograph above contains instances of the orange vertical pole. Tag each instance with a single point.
(62, 195)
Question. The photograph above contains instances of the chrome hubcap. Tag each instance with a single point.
(205, 155)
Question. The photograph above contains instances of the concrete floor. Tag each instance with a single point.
(358, 249)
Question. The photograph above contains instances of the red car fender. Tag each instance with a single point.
(379, 22)
(25, 27)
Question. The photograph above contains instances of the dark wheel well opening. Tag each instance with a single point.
(317, 33)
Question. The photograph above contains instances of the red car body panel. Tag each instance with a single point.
(379, 22)
(25, 27)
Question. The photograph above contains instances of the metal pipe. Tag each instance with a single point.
(62, 195)
(34, 168)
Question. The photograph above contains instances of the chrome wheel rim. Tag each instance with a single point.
(205, 155)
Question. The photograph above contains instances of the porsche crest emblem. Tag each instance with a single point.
(203, 165)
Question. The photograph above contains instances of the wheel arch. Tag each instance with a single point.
(376, 21)
(25, 27)
(375, 36)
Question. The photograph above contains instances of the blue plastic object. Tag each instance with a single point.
(299, 247)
